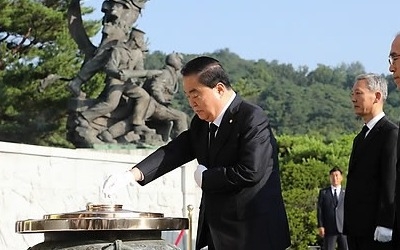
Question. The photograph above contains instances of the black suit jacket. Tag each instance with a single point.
(396, 230)
(369, 200)
(241, 203)
(329, 215)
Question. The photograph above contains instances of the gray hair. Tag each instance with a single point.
(375, 82)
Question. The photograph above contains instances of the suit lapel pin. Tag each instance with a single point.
(230, 121)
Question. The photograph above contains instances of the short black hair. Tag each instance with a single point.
(208, 69)
(334, 169)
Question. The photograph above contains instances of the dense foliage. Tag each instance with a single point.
(298, 101)
(310, 110)
(305, 163)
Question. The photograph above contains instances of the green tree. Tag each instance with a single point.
(305, 162)
(36, 43)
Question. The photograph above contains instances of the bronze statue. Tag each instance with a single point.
(163, 88)
(123, 68)
(167, 121)
(135, 104)
(119, 17)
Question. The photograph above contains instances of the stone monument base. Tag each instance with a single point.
(36, 180)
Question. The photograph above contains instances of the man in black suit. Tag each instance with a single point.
(369, 200)
(242, 206)
(330, 212)
(394, 67)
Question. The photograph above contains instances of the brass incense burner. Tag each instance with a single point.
(103, 225)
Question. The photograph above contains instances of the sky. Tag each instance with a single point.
(301, 33)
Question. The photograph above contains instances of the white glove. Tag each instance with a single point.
(383, 234)
(116, 182)
(198, 174)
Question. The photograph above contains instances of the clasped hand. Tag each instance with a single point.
(115, 182)
(383, 234)
(123, 75)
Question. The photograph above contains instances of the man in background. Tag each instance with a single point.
(369, 201)
(330, 212)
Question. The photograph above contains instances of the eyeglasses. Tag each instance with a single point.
(393, 58)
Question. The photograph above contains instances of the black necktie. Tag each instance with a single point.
(363, 132)
(335, 197)
(212, 130)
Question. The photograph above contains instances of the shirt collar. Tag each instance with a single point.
(374, 120)
(218, 120)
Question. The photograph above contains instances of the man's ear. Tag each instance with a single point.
(220, 88)
(378, 96)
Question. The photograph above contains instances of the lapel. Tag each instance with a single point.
(225, 128)
(360, 145)
(372, 133)
(375, 130)
(341, 195)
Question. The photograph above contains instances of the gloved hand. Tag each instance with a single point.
(383, 234)
(116, 182)
(198, 174)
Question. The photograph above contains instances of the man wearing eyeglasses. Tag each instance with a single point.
(394, 57)
(394, 67)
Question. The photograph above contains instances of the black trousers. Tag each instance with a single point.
(364, 243)
(331, 240)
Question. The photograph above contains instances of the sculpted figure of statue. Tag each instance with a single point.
(124, 109)
(167, 121)
(119, 17)
(163, 88)
(123, 68)
(121, 13)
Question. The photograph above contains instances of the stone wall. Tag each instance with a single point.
(36, 180)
